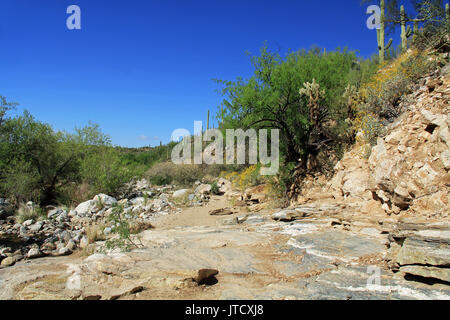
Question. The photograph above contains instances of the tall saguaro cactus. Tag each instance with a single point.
(382, 47)
(447, 13)
(406, 32)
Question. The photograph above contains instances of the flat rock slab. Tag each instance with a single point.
(337, 244)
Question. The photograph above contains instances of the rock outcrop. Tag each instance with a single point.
(408, 169)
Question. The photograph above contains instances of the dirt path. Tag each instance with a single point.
(195, 216)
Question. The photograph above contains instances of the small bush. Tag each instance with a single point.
(26, 212)
(215, 188)
(122, 228)
(95, 233)
(103, 171)
(168, 172)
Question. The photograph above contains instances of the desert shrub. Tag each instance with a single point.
(168, 172)
(122, 229)
(20, 181)
(29, 211)
(434, 37)
(215, 188)
(248, 177)
(103, 171)
(378, 101)
(73, 193)
(95, 233)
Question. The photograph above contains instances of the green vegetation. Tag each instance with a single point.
(322, 103)
(123, 231)
(46, 166)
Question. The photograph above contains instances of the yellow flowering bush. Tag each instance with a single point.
(377, 101)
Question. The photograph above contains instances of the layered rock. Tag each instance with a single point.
(408, 168)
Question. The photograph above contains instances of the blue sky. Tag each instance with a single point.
(142, 68)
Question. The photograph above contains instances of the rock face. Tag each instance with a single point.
(421, 250)
(408, 168)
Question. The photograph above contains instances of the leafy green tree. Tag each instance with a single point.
(270, 98)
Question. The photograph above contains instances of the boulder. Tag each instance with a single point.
(180, 193)
(221, 212)
(7, 262)
(203, 189)
(87, 208)
(34, 253)
(256, 194)
(105, 200)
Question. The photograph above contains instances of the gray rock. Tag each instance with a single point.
(285, 215)
(36, 227)
(371, 232)
(105, 200)
(203, 189)
(54, 213)
(255, 220)
(84, 242)
(424, 252)
(427, 272)
(9, 261)
(65, 236)
(180, 193)
(71, 245)
(86, 208)
(34, 253)
(137, 201)
(64, 251)
(27, 223)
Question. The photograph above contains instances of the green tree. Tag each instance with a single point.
(271, 98)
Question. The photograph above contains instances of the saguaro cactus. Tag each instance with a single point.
(207, 122)
(406, 32)
(380, 34)
(447, 13)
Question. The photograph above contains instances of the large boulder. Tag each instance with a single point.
(105, 200)
(203, 189)
(87, 208)
(225, 186)
(180, 193)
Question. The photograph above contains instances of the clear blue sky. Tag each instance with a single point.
(142, 68)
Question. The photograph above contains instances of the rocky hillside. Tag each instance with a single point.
(407, 171)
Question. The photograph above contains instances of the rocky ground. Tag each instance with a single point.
(380, 229)
(314, 251)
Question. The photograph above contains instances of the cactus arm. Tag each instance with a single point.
(447, 13)
(386, 48)
(409, 32)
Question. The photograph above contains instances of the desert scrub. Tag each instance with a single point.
(249, 177)
(378, 101)
(215, 188)
(95, 233)
(123, 231)
(167, 172)
(29, 211)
